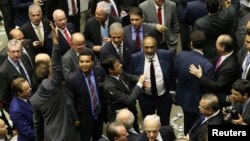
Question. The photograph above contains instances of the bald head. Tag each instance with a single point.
(16, 34)
(42, 57)
(78, 41)
(59, 18)
(126, 117)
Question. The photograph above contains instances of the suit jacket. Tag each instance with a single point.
(8, 72)
(167, 134)
(128, 49)
(170, 20)
(148, 30)
(119, 95)
(198, 128)
(21, 114)
(225, 75)
(30, 33)
(92, 31)
(21, 11)
(55, 120)
(188, 88)
(166, 62)
(241, 57)
(79, 87)
(215, 25)
(63, 44)
(132, 136)
(69, 62)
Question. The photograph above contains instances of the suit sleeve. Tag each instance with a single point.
(38, 125)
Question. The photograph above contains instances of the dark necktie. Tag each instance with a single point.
(22, 71)
(73, 6)
(113, 12)
(124, 84)
(96, 105)
(152, 79)
(67, 37)
(138, 40)
(159, 15)
(218, 64)
(120, 53)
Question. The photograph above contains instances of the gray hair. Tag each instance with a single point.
(126, 117)
(152, 118)
(34, 7)
(104, 6)
(14, 42)
(116, 27)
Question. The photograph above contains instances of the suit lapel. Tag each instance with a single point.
(166, 11)
(33, 32)
(154, 14)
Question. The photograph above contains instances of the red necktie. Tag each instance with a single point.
(113, 12)
(67, 37)
(73, 6)
(159, 15)
(218, 64)
(138, 40)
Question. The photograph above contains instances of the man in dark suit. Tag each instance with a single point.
(211, 114)
(96, 30)
(240, 97)
(119, 46)
(65, 30)
(126, 117)
(86, 85)
(137, 25)
(154, 131)
(158, 65)
(37, 29)
(57, 119)
(21, 112)
(226, 69)
(117, 88)
(116, 131)
(217, 22)
(168, 19)
(244, 57)
(14, 65)
(6, 8)
(188, 89)
(70, 8)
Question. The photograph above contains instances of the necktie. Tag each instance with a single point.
(39, 34)
(218, 64)
(152, 79)
(159, 15)
(113, 12)
(67, 37)
(138, 40)
(95, 103)
(73, 6)
(120, 53)
(22, 72)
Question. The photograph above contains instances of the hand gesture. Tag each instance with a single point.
(195, 71)
(54, 33)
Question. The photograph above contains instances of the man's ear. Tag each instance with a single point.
(110, 70)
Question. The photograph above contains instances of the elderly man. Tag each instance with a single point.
(96, 30)
(154, 131)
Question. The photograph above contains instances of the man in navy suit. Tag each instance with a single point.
(65, 30)
(211, 114)
(188, 89)
(158, 65)
(119, 46)
(86, 85)
(96, 30)
(153, 131)
(21, 112)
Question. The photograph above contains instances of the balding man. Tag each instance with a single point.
(226, 69)
(127, 118)
(153, 131)
(64, 32)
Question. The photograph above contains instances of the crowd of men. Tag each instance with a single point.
(70, 66)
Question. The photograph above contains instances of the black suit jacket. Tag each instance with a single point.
(79, 87)
(92, 31)
(30, 33)
(128, 49)
(225, 75)
(7, 74)
(167, 134)
(241, 57)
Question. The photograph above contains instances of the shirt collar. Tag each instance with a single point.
(34, 26)
(140, 29)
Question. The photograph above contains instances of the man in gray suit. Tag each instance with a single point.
(167, 17)
(57, 119)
